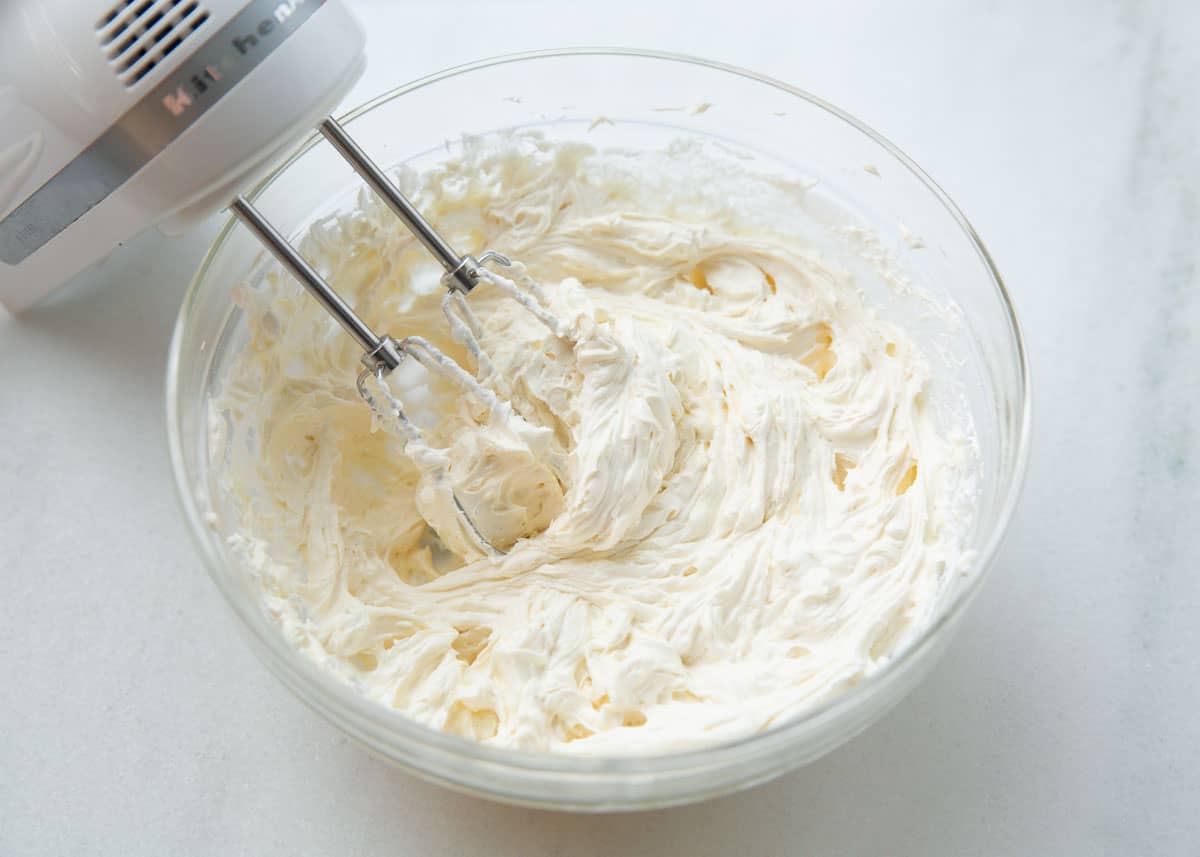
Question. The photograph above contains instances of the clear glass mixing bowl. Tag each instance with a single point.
(649, 99)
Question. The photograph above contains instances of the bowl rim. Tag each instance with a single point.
(301, 674)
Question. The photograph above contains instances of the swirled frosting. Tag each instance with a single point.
(752, 504)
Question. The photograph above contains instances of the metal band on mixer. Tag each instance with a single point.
(149, 126)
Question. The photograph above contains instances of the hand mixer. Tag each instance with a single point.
(116, 115)
(382, 353)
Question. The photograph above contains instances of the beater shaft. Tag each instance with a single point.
(378, 350)
(462, 272)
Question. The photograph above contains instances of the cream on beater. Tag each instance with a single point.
(753, 504)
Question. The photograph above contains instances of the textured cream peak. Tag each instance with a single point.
(753, 503)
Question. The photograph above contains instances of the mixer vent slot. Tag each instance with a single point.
(136, 35)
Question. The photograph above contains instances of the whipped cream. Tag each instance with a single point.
(752, 503)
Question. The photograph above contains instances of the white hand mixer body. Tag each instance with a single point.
(118, 115)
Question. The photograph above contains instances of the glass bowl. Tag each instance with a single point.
(648, 99)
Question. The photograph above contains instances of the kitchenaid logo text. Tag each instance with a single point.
(178, 102)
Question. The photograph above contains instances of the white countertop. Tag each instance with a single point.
(135, 720)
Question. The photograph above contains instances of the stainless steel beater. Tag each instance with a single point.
(382, 353)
